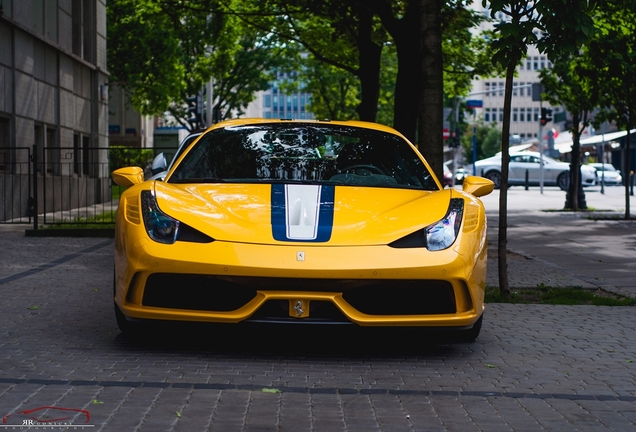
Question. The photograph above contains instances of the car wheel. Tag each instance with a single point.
(471, 334)
(124, 325)
(564, 180)
(495, 177)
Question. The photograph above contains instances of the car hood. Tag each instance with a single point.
(327, 215)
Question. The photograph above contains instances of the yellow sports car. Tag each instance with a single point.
(303, 222)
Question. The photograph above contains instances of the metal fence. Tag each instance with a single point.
(64, 185)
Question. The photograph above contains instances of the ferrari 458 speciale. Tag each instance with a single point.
(301, 222)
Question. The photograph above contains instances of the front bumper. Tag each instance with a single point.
(366, 285)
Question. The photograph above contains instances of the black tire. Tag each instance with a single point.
(471, 334)
(495, 177)
(564, 180)
(124, 325)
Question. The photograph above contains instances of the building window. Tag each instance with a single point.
(515, 114)
(501, 89)
(536, 115)
(522, 114)
(5, 151)
(487, 88)
(82, 29)
(522, 89)
(535, 63)
(267, 101)
(542, 62)
(501, 114)
(487, 115)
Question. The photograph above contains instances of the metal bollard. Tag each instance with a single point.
(527, 180)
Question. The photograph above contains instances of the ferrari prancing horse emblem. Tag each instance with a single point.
(299, 308)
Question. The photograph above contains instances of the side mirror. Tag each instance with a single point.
(159, 164)
(477, 186)
(128, 176)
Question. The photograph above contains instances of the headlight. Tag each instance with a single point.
(441, 235)
(159, 226)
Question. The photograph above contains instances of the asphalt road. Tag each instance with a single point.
(534, 367)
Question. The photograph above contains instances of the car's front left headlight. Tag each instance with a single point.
(442, 234)
(159, 226)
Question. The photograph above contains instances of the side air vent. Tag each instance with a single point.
(132, 210)
(471, 217)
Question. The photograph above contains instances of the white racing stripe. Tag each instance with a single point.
(302, 204)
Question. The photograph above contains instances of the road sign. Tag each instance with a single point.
(446, 134)
(474, 103)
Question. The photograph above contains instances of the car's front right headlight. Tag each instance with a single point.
(159, 226)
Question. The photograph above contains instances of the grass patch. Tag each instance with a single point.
(559, 296)
(104, 220)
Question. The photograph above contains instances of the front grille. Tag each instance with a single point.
(403, 297)
(372, 297)
(195, 292)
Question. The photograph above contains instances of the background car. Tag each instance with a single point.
(460, 175)
(448, 176)
(160, 165)
(301, 222)
(607, 173)
(555, 173)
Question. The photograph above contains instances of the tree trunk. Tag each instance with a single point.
(502, 245)
(369, 70)
(406, 36)
(575, 197)
(430, 114)
(627, 170)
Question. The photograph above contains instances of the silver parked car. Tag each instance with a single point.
(555, 173)
(607, 174)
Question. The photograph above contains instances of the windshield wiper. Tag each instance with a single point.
(199, 180)
(309, 182)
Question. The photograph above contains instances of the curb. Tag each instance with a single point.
(73, 232)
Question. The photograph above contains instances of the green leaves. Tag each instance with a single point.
(270, 390)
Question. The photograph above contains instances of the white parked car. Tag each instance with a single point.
(607, 173)
(555, 173)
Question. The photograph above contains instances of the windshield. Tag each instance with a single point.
(304, 153)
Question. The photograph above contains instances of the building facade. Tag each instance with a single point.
(53, 93)
(525, 110)
(272, 103)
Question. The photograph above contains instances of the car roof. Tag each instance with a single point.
(259, 120)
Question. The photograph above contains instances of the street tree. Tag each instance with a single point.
(572, 82)
(163, 52)
(487, 140)
(343, 35)
(563, 26)
(613, 51)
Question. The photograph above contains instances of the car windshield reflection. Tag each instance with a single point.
(314, 154)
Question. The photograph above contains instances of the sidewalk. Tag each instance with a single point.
(555, 248)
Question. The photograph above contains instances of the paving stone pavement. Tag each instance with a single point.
(533, 368)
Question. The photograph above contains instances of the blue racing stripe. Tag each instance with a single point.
(280, 214)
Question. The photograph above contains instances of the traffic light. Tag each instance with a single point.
(546, 116)
(195, 108)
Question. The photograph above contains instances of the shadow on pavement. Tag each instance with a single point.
(290, 340)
